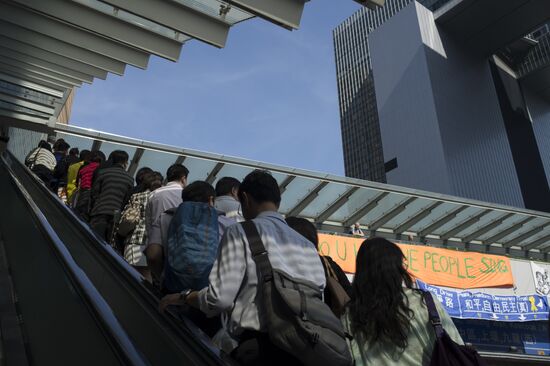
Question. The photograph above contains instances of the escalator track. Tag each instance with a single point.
(163, 339)
(61, 317)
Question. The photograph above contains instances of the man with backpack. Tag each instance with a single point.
(164, 198)
(238, 288)
(193, 237)
(191, 247)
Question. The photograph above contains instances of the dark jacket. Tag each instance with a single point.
(109, 190)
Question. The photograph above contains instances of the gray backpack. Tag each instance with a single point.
(298, 320)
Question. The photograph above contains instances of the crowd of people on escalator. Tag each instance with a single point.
(250, 278)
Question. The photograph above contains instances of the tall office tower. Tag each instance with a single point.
(363, 157)
(449, 97)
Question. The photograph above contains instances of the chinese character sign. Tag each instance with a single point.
(479, 305)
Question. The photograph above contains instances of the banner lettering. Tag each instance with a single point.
(436, 266)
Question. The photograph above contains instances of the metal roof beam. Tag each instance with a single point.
(307, 200)
(545, 250)
(52, 57)
(536, 243)
(180, 159)
(323, 216)
(442, 221)
(212, 175)
(507, 232)
(31, 86)
(493, 224)
(107, 25)
(425, 212)
(135, 161)
(73, 35)
(366, 209)
(286, 13)
(32, 76)
(18, 117)
(179, 17)
(61, 48)
(522, 237)
(285, 183)
(96, 145)
(464, 225)
(27, 94)
(26, 104)
(33, 61)
(40, 71)
(391, 214)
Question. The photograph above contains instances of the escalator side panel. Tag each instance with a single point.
(161, 341)
(43, 288)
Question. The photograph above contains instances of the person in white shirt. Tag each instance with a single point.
(227, 199)
(160, 200)
(356, 230)
(233, 281)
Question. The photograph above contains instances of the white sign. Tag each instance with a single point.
(541, 275)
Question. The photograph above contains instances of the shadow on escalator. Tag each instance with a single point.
(162, 339)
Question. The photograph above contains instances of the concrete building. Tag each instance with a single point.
(435, 95)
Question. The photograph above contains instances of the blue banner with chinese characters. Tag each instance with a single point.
(478, 305)
(527, 337)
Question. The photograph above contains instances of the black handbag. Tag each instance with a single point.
(447, 352)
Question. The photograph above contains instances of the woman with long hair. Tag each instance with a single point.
(387, 317)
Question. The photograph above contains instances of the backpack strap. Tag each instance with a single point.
(257, 248)
(435, 320)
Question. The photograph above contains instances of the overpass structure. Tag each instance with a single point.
(47, 48)
(335, 203)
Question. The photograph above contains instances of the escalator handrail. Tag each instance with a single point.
(90, 294)
(184, 328)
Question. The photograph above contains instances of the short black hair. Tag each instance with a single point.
(85, 155)
(45, 145)
(119, 157)
(226, 185)
(176, 172)
(304, 228)
(97, 156)
(261, 186)
(61, 145)
(151, 180)
(141, 173)
(198, 191)
(74, 151)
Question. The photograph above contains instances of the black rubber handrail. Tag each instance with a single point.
(102, 311)
(193, 342)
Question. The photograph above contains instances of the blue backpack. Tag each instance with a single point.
(192, 247)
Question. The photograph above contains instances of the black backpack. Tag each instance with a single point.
(447, 352)
(298, 320)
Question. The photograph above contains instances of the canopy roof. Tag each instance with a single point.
(335, 203)
(49, 47)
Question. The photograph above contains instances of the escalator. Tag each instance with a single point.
(161, 339)
(58, 317)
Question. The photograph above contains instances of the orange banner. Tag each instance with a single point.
(441, 267)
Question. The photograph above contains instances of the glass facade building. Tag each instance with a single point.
(361, 139)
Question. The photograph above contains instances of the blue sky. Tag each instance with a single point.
(270, 95)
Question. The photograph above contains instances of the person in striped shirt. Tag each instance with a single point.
(109, 190)
(42, 162)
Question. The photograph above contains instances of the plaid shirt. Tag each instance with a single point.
(139, 235)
